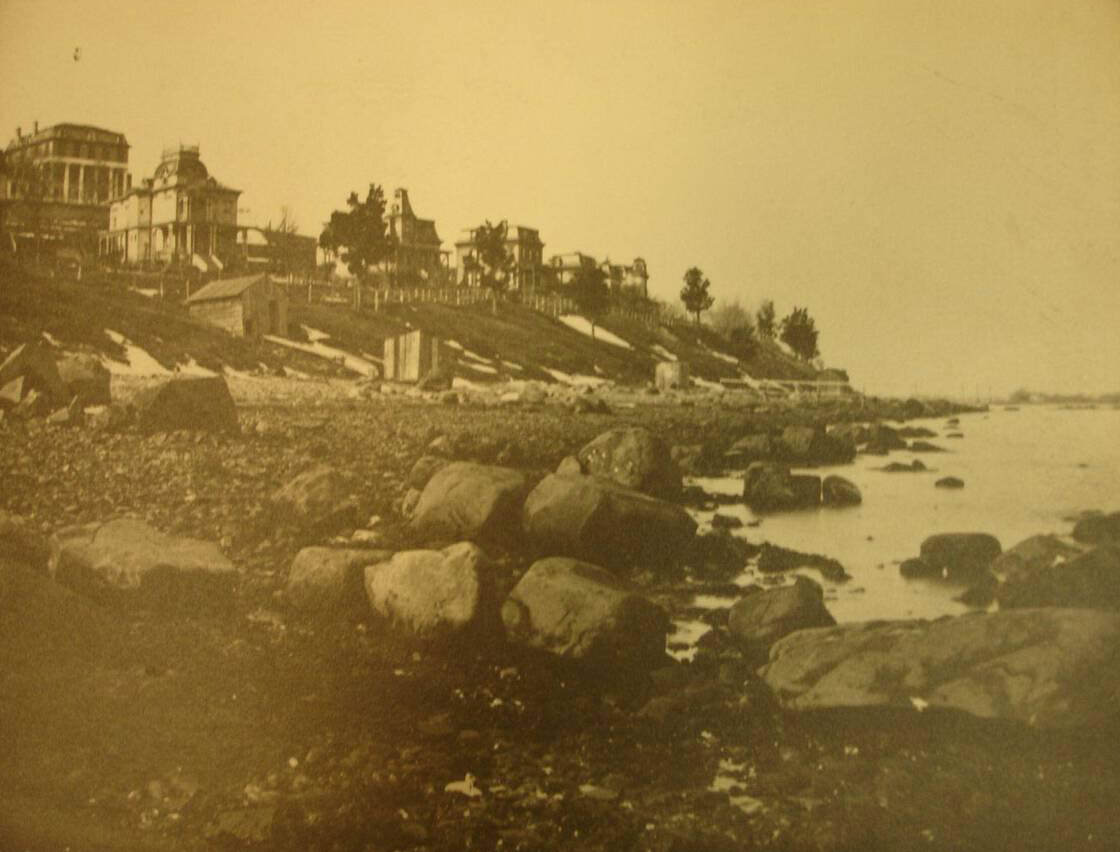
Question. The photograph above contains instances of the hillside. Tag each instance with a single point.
(512, 343)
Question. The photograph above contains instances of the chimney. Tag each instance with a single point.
(19, 133)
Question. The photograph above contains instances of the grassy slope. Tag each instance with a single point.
(79, 313)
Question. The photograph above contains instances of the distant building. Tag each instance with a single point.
(278, 252)
(251, 307)
(417, 257)
(524, 246)
(565, 267)
(58, 182)
(181, 215)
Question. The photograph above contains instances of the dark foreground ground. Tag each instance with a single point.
(133, 730)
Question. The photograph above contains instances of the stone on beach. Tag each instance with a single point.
(201, 403)
(128, 561)
(321, 498)
(1098, 529)
(580, 611)
(765, 616)
(959, 556)
(433, 595)
(1051, 668)
(329, 580)
(465, 500)
(592, 518)
(1090, 580)
(838, 491)
(634, 458)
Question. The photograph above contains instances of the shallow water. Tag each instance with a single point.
(1025, 472)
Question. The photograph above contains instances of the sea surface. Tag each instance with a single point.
(1026, 471)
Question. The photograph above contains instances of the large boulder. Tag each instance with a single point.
(959, 557)
(589, 517)
(1098, 529)
(85, 377)
(580, 611)
(838, 491)
(434, 595)
(423, 470)
(634, 458)
(1053, 668)
(201, 403)
(750, 448)
(812, 445)
(320, 499)
(850, 433)
(329, 581)
(765, 616)
(35, 364)
(769, 487)
(127, 561)
(1090, 580)
(465, 500)
(881, 439)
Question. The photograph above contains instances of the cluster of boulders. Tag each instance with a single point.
(34, 384)
(38, 384)
(770, 486)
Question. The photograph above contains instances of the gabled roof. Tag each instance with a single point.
(225, 289)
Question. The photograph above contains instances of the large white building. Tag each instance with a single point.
(180, 215)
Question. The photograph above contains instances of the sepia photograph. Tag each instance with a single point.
(592, 425)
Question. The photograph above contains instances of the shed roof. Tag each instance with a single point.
(225, 289)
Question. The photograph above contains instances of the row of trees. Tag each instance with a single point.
(739, 327)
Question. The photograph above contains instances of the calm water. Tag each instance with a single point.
(1025, 472)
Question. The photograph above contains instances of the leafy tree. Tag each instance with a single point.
(590, 291)
(743, 342)
(360, 235)
(799, 333)
(767, 319)
(491, 258)
(694, 293)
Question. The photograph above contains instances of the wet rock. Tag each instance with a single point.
(725, 522)
(767, 487)
(881, 439)
(589, 517)
(329, 581)
(85, 377)
(916, 432)
(1090, 580)
(949, 482)
(806, 490)
(838, 491)
(750, 448)
(773, 559)
(580, 611)
(959, 556)
(320, 499)
(915, 466)
(465, 500)
(1050, 668)
(812, 445)
(35, 364)
(765, 616)
(635, 459)
(435, 594)
(200, 403)
(423, 470)
(1098, 529)
(128, 561)
(925, 447)
(850, 433)
(690, 459)
(719, 556)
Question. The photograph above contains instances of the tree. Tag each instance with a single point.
(491, 258)
(694, 293)
(360, 235)
(799, 333)
(766, 317)
(728, 316)
(590, 292)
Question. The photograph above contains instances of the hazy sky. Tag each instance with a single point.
(939, 182)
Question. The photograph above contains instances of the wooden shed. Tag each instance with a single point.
(252, 306)
(411, 356)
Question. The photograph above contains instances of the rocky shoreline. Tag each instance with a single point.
(356, 618)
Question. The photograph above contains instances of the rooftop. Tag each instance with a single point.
(225, 289)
